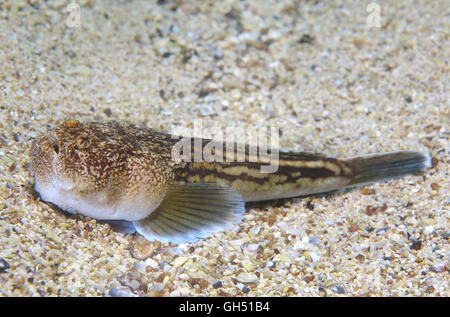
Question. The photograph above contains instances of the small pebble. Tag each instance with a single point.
(155, 290)
(382, 230)
(371, 211)
(179, 261)
(435, 186)
(202, 283)
(309, 278)
(12, 167)
(306, 39)
(151, 263)
(271, 264)
(416, 245)
(121, 291)
(314, 241)
(108, 112)
(180, 292)
(4, 266)
(255, 229)
(338, 289)
(205, 111)
(247, 278)
(361, 258)
(142, 249)
(290, 229)
(438, 267)
(314, 257)
(366, 191)
(310, 205)
(250, 248)
(299, 245)
(133, 284)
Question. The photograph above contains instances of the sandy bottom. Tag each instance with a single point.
(317, 70)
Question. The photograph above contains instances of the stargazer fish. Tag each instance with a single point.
(117, 171)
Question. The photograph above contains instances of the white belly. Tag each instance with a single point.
(96, 205)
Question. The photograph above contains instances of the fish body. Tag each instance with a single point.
(116, 171)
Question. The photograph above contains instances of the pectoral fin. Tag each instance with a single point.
(191, 211)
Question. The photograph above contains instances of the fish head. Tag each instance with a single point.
(93, 169)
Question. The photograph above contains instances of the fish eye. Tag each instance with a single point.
(56, 148)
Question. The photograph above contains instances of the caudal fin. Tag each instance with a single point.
(379, 167)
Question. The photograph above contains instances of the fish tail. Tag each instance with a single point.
(384, 166)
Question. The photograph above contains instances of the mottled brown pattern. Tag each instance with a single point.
(125, 161)
(116, 156)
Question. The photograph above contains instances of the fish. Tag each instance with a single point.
(120, 172)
